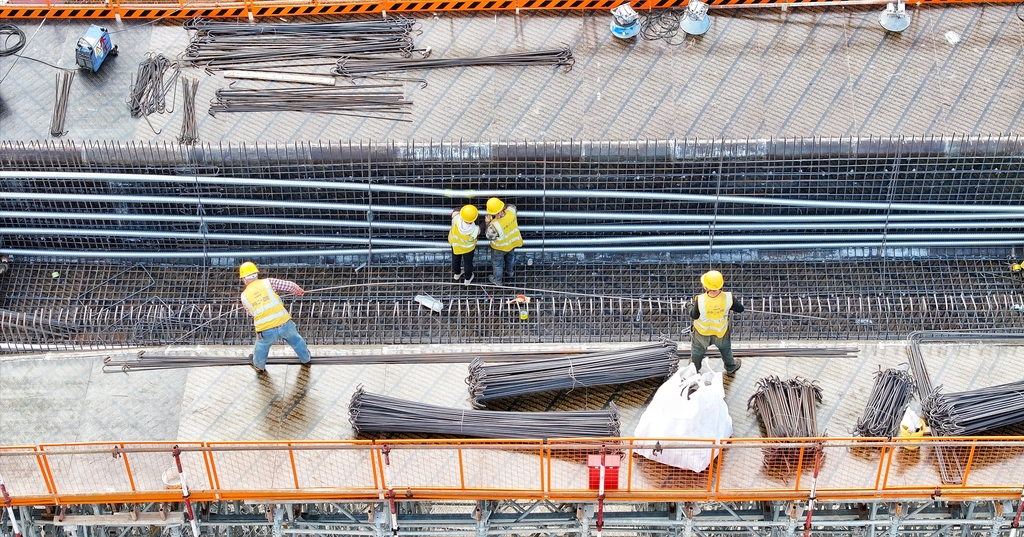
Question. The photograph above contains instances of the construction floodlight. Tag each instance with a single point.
(625, 22)
(895, 18)
(695, 19)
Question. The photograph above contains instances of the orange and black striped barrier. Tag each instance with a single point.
(20, 9)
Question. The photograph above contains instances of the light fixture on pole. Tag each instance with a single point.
(625, 22)
(895, 18)
(695, 19)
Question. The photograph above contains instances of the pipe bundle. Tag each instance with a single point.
(495, 380)
(787, 410)
(975, 411)
(377, 413)
(889, 398)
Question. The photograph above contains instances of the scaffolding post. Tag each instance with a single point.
(9, 508)
(176, 453)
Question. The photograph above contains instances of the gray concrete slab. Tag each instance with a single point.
(63, 397)
(756, 73)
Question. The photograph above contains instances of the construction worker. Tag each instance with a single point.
(462, 237)
(270, 318)
(710, 314)
(503, 232)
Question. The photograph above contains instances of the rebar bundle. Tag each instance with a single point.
(377, 413)
(787, 410)
(221, 45)
(189, 134)
(975, 411)
(60, 102)
(493, 381)
(368, 101)
(149, 90)
(889, 398)
(349, 66)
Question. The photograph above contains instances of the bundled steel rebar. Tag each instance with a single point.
(889, 398)
(377, 413)
(349, 66)
(189, 134)
(228, 45)
(787, 410)
(148, 93)
(357, 101)
(975, 411)
(493, 381)
(60, 102)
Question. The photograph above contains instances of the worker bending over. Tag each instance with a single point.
(462, 237)
(271, 319)
(710, 314)
(503, 232)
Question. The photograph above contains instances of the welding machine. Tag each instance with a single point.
(94, 47)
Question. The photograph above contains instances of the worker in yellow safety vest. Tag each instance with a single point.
(462, 237)
(270, 318)
(710, 314)
(503, 232)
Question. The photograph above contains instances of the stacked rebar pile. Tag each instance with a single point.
(787, 410)
(377, 413)
(60, 102)
(189, 134)
(492, 381)
(370, 101)
(975, 411)
(889, 398)
(349, 66)
(148, 93)
(228, 45)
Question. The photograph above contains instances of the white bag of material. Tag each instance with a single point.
(687, 406)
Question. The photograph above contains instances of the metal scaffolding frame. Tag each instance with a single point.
(914, 517)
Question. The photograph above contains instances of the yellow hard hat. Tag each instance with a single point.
(469, 213)
(247, 269)
(495, 205)
(712, 280)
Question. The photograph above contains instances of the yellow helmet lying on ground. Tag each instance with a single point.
(495, 205)
(247, 269)
(712, 280)
(469, 213)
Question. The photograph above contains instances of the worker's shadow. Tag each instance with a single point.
(289, 412)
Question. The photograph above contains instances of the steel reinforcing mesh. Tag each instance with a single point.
(858, 239)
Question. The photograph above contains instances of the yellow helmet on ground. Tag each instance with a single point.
(469, 213)
(495, 205)
(247, 269)
(712, 280)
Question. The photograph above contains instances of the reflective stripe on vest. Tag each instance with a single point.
(510, 237)
(267, 309)
(461, 242)
(714, 314)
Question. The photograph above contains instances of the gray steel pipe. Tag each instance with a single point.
(471, 194)
(889, 245)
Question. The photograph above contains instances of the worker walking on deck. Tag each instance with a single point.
(463, 237)
(503, 232)
(270, 318)
(710, 314)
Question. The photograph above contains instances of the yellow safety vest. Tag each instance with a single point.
(714, 314)
(461, 242)
(267, 309)
(510, 236)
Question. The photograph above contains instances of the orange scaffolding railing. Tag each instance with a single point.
(743, 469)
(186, 9)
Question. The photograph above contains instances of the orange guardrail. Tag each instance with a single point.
(744, 469)
(181, 9)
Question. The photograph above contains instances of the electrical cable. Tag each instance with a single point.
(662, 24)
(7, 32)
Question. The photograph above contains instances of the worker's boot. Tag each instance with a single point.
(735, 369)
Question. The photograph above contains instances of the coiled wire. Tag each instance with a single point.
(7, 31)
